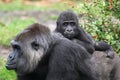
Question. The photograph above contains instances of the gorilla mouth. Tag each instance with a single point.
(69, 35)
(11, 66)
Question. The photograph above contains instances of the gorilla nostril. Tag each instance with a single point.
(10, 56)
(69, 30)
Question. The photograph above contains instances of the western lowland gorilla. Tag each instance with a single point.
(39, 54)
(68, 26)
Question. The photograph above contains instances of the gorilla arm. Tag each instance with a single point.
(87, 46)
(99, 46)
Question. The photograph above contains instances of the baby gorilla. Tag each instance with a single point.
(68, 26)
(39, 54)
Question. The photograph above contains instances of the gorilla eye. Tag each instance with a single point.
(65, 24)
(16, 47)
(72, 23)
(35, 45)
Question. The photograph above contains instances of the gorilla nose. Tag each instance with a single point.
(69, 31)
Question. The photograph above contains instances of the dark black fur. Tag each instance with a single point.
(39, 54)
(68, 26)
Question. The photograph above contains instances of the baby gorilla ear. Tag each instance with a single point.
(35, 45)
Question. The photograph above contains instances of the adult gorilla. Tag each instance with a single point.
(39, 54)
(68, 26)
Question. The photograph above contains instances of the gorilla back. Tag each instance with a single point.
(39, 54)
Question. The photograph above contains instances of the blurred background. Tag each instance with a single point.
(100, 18)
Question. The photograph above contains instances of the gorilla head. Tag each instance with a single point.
(67, 24)
(28, 49)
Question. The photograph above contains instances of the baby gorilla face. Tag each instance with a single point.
(68, 28)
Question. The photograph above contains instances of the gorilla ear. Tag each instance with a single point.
(35, 45)
(58, 26)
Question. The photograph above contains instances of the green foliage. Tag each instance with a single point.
(9, 30)
(19, 5)
(116, 8)
(99, 22)
(4, 73)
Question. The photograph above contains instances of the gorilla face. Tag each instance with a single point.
(28, 50)
(68, 28)
(13, 57)
(67, 24)
(24, 58)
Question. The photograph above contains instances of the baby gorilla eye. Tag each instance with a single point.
(72, 23)
(35, 45)
(65, 24)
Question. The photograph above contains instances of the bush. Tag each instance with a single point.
(97, 17)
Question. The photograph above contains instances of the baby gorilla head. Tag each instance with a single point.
(28, 49)
(67, 24)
